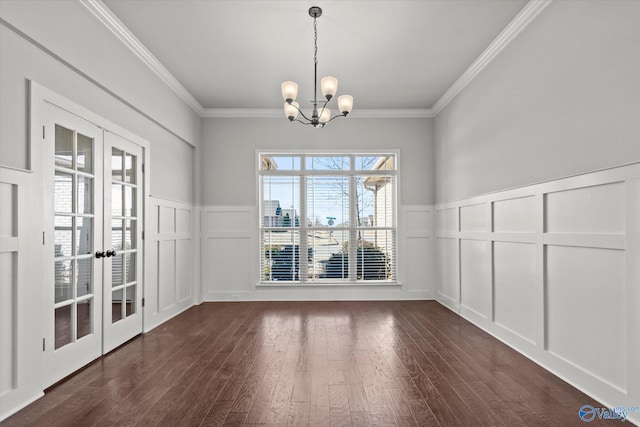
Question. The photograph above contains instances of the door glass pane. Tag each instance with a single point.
(131, 267)
(83, 317)
(117, 158)
(84, 159)
(116, 270)
(84, 277)
(129, 199)
(130, 168)
(84, 194)
(84, 235)
(116, 200)
(116, 305)
(62, 235)
(64, 147)
(116, 234)
(131, 300)
(63, 193)
(130, 234)
(63, 274)
(62, 326)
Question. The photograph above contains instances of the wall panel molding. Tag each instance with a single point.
(170, 285)
(21, 350)
(560, 274)
(230, 259)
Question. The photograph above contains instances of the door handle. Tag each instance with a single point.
(110, 253)
(100, 254)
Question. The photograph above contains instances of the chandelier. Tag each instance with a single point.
(329, 86)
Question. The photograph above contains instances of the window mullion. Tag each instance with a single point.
(303, 248)
(353, 229)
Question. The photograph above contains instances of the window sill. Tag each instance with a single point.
(285, 284)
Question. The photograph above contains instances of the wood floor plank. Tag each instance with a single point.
(402, 363)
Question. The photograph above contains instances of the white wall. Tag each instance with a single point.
(230, 217)
(72, 33)
(172, 171)
(229, 152)
(89, 68)
(562, 98)
(550, 268)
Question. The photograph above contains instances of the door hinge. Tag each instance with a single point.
(143, 302)
(43, 132)
(143, 235)
(143, 168)
(43, 238)
(43, 341)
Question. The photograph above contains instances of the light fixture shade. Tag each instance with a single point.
(329, 86)
(289, 91)
(345, 104)
(290, 110)
(325, 116)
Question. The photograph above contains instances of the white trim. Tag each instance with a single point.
(277, 113)
(519, 23)
(112, 23)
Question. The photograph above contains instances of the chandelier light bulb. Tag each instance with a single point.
(345, 104)
(289, 91)
(291, 110)
(329, 86)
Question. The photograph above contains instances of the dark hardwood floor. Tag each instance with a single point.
(411, 363)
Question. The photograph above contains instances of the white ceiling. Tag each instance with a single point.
(395, 54)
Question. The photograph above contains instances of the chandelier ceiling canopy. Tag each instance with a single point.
(329, 86)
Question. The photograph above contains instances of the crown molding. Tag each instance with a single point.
(519, 23)
(271, 113)
(111, 22)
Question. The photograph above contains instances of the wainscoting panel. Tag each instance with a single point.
(585, 291)
(474, 218)
(515, 288)
(449, 272)
(553, 270)
(20, 303)
(229, 253)
(230, 260)
(169, 286)
(447, 220)
(8, 289)
(416, 252)
(597, 209)
(515, 215)
(475, 277)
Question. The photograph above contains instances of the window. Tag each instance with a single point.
(327, 218)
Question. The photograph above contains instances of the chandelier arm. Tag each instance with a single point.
(335, 117)
(323, 107)
(300, 111)
(304, 123)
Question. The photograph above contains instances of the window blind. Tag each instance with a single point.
(327, 218)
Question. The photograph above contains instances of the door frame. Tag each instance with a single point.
(38, 97)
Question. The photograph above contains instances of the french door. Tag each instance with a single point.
(122, 314)
(93, 267)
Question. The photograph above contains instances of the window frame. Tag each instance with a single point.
(302, 173)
